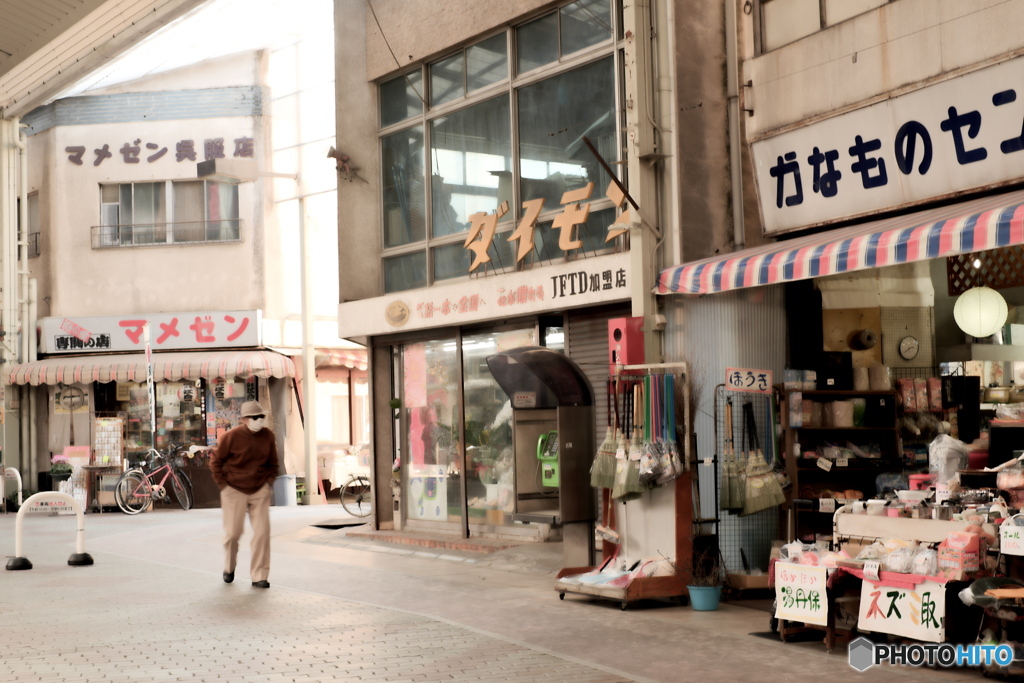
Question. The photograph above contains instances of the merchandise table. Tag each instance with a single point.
(93, 473)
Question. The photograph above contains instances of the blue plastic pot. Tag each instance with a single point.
(705, 598)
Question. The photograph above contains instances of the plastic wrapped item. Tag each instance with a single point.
(946, 457)
(908, 395)
(881, 377)
(875, 551)
(791, 552)
(926, 563)
(921, 393)
(901, 560)
(1011, 412)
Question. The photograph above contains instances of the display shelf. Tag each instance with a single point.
(883, 432)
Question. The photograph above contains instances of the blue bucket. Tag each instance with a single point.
(704, 598)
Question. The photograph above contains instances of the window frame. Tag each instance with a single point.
(101, 239)
(509, 85)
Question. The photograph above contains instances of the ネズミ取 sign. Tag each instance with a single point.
(169, 331)
(963, 133)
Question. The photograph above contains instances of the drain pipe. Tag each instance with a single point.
(33, 351)
(735, 156)
(26, 334)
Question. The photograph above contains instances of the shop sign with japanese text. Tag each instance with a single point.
(138, 151)
(961, 134)
(583, 282)
(169, 331)
(917, 612)
(800, 593)
(1011, 539)
(751, 381)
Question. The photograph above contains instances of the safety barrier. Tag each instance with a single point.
(78, 558)
(12, 473)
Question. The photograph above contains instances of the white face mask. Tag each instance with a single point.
(256, 425)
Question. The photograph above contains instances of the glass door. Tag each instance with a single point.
(432, 427)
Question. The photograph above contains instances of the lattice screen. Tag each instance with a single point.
(997, 268)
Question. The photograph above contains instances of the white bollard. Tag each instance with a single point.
(78, 558)
(12, 473)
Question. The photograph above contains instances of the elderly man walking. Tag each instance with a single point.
(244, 465)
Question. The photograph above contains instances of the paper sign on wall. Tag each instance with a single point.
(800, 593)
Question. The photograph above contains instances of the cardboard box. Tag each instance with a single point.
(743, 582)
(960, 555)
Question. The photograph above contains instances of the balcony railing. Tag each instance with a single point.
(33, 244)
(162, 234)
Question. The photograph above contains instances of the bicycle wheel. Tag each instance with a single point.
(182, 489)
(133, 493)
(355, 496)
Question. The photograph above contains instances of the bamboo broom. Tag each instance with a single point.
(725, 502)
(602, 473)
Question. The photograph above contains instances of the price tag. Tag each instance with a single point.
(825, 464)
(827, 505)
(707, 462)
(871, 569)
(842, 462)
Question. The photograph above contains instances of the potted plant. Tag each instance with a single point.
(706, 578)
(60, 468)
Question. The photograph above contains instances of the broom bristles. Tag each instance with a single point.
(602, 473)
(762, 489)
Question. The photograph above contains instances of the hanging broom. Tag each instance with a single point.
(627, 477)
(725, 503)
(762, 488)
(602, 473)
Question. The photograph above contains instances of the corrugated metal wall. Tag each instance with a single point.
(745, 329)
(586, 341)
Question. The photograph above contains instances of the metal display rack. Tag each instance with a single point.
(744, 541)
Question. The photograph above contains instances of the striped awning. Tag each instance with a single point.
(977, 225)
(354, 359)
(166, 366)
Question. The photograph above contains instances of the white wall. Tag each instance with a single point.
(902, 45)
(84, 281)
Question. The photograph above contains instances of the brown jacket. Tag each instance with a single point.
(245, 461)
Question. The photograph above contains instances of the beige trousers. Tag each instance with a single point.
(234, 504)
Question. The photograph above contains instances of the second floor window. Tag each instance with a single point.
(166, 212)
(500, 120)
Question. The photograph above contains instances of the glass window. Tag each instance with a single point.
(401, 98)
(537, 43)
(554, 116)
(221, 211)
(585, 23)
(486, 62)
(470, 150)
(430, 401)
(447, 80)
(453, 260)
(592, 234)
(407, 271)
(404, 201)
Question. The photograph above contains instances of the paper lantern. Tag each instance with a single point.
(980, 311)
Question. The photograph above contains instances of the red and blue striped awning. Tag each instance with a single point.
(977, 225)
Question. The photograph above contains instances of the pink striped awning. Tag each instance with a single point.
(166, 366)
(977, 225)
(354, 359)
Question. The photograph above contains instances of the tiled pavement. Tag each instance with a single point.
(153, 608)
